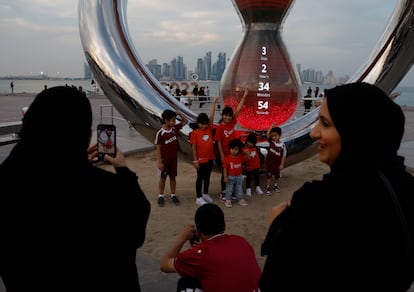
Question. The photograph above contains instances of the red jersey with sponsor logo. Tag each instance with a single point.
(168, 139)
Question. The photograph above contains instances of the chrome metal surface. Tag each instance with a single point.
(393, 55)
(140, 98)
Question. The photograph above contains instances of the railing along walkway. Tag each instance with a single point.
(9, 132)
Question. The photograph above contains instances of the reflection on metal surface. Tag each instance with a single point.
(261, 63)
(140, 98)
(393, 54)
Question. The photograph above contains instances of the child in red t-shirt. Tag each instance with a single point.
(225, 132)
(252, 164)
(201, 140)
(232, 172)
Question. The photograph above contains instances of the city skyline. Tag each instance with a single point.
(313, 75)
(43, 36)
(307, 75)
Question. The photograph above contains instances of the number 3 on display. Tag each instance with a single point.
(261, 104)
(263, 86)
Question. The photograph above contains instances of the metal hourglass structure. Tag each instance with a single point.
(261, 63)
(140, 98)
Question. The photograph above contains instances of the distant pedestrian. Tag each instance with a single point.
(167, 87)
(207, 92)
(12, 87)
(307, 101)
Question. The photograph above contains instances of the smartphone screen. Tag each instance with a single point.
(106, 135)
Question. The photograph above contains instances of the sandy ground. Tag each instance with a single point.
(166, 222)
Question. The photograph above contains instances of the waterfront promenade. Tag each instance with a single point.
(131, 142)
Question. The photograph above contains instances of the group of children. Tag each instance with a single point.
(235, 158)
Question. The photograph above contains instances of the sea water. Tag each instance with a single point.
(406, 97)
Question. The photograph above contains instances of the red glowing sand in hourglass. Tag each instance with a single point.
(261, 63)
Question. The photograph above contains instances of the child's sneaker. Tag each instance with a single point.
(200, 201)
(259, 190)
(228, 204)
(175, 200)
(207, 198)
(249, 192)
(222, 197)
(276, 188)
(161, 201)
(243, 203)
(267, 190)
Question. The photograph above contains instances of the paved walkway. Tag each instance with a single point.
(407, 150)
(407, 146)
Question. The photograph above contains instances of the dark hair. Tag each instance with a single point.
(252, 138)
(55, 111)
(276, 130)
(203, 118)
(227, 110)
(236, 142)
(209, 219)
(167, 115)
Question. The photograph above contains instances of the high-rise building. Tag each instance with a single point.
(155, 68)
(207, 63)
(220, 65)
(179, 68)
(166, 71)
(298, 68)
(201, 69)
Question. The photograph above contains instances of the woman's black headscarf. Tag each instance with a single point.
(370, 124)
(56, 126)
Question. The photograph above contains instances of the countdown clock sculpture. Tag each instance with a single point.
(261, 63)
(140, 98)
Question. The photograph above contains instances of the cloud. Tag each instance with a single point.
(325, 34)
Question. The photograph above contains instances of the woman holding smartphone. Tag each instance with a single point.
(67, 225)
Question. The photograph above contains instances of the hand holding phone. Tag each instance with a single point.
(106, 138)
(194, 238)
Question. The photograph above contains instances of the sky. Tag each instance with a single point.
(42, 36)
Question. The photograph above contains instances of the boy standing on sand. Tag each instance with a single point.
(225, 133)
(275, 159)
(166, 141)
